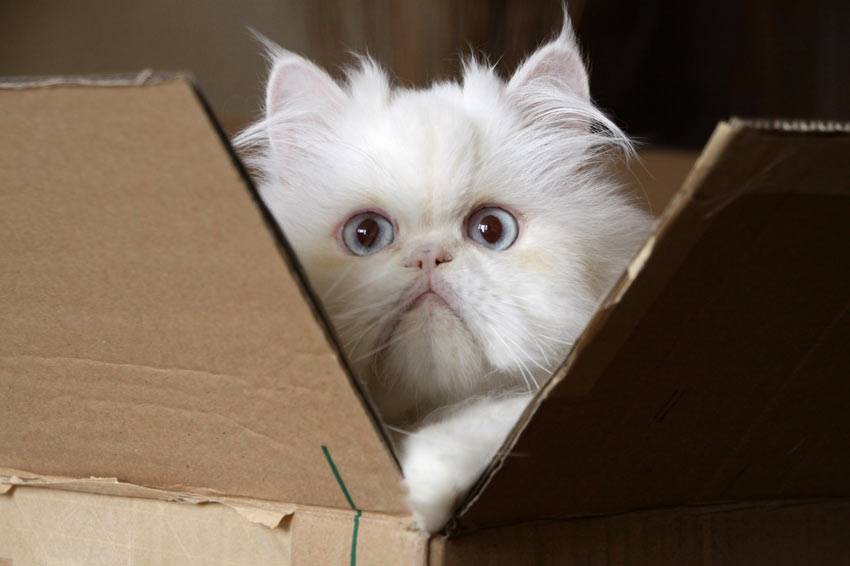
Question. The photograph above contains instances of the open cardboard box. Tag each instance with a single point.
(159, 346)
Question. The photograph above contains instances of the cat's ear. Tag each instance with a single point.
(294, 80)
(299, 96)
(556, 65)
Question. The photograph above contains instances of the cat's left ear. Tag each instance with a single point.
(556, 65)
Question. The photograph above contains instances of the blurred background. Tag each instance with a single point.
(667, 70)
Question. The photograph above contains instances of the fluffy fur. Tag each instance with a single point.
(497, 323)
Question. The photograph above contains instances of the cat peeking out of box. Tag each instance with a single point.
(459, 237)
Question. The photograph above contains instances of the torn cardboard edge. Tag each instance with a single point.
(266, 513)
(315, 532)
(156, 532)
(776, 125)
(48, 526)
(143, 77)
(270, 514)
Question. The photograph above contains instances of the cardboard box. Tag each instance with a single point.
(159, 346)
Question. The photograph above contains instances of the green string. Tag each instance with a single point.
(350, 503)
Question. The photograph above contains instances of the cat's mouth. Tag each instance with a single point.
(423, 295)
(427, 293)
(428, 297)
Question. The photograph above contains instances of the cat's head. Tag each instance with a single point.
(459, 236)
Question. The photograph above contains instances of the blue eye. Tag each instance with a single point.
(493, 228)
(367, 233)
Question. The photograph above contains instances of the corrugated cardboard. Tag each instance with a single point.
(151, 330)
(784, 533)
(155, 343)
(717, 369)
(40, 526)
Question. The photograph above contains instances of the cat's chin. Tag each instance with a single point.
(434, 357)
(424, 320)
(430, 319)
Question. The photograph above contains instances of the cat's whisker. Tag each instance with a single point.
(359, 334)
(327, 294)
(531, 377)
(385, 345)
(398, 430)
(542, 352)
(356, 313)
(353, 348)
(353, 330)
(556, 340)
(351, 345)
(522, 364)
(534, 339)
(533, 336)
(523, 369)
(381, 274)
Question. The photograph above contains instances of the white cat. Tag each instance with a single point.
(459, 236)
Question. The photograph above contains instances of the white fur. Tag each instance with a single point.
(535, 145)
(447, 455)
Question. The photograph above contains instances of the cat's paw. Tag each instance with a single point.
(444, 458)
(434, 484)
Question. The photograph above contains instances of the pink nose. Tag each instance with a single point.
(428, 257)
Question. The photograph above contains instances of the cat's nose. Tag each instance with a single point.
(428, 257)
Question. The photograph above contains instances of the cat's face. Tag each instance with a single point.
(460, 236)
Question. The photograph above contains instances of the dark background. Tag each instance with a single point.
(667, 70)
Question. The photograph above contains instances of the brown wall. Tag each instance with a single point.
(416, 40)
(667, 70)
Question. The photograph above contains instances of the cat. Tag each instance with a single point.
(459, 236)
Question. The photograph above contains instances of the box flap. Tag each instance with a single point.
(717, 369)
(42, 526)
(149, 328)
(776, 533)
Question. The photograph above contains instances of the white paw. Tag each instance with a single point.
(435, 482)
(444, 458)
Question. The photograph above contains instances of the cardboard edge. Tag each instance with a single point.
(268, 513)
(316, 534)
(298, 273)
(143, 77)
(694, 509)
(796, 126)
(719, 140)
(265, 512)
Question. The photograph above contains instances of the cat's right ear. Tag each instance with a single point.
(295, 81)
(300, 96)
